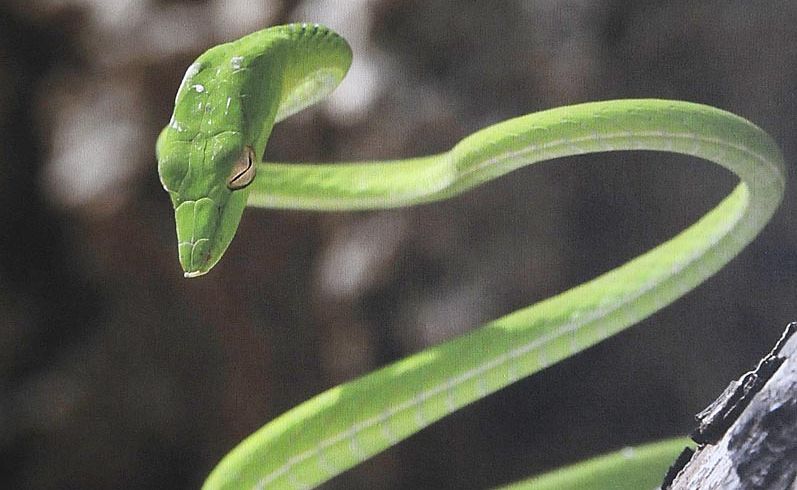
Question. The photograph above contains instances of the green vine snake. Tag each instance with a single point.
(209, 162)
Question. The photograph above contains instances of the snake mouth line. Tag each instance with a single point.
(196, 257)
(197, 233)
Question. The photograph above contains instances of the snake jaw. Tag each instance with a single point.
(205, 230)
(195, 257)
(197, 223)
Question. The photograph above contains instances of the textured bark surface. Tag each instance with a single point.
(759, 449)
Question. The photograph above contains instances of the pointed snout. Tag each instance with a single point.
(197, 223)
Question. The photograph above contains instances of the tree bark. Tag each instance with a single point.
(748, 437)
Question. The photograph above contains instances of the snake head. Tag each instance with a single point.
(206, 178)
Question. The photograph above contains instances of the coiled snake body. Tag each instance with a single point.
(209, 162)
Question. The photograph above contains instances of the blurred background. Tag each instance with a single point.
(115, 372)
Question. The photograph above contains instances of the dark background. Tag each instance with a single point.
(115, 372)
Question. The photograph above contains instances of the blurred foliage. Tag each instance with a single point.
(117, 373)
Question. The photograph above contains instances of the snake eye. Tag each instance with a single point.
(243, 171)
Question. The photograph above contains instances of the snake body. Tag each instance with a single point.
(208, 153)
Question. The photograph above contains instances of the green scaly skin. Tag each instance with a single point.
(229, 99)
(249, 84)
(635, 468)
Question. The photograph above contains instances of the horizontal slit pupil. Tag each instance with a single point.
(245, 176)
(241, 174)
